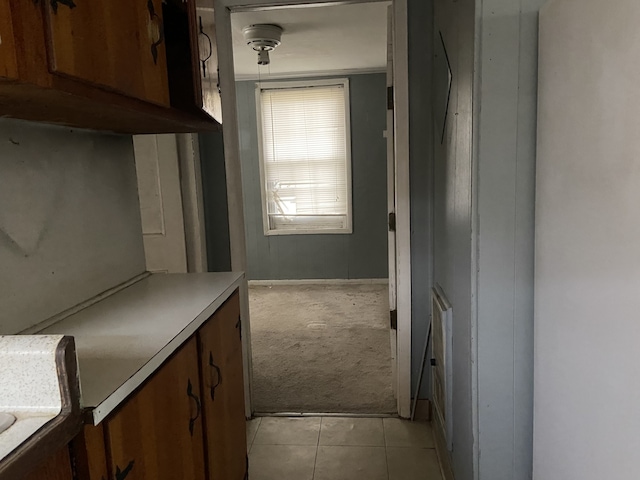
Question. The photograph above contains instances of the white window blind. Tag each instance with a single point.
(306, 158)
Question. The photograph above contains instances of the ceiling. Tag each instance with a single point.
(325, 40)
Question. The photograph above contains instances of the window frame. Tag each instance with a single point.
(273, 85)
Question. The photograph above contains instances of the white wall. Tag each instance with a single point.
(587, 302)
(69, 219)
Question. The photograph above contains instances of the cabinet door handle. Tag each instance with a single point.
(218, 377)
(54, 4)
(190, 394)
(154, 19)
(204, 61)
(122, 474)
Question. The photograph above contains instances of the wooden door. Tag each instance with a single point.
(157, 434)
(223, 392)
(8, 64)
(57, 467)
(116, 44)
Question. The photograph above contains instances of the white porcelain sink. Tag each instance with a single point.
(6, 420)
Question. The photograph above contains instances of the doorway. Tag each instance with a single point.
(234, 144)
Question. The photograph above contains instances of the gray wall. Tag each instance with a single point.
(453, 213)
(362, 254)
(216, 215)
(421, 181)
(507, 113)
(483, 229)
(588, 243)
(69, 219)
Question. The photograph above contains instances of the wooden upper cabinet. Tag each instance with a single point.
(208, 59)
(223, 392)
(114, 44)
(157, 434)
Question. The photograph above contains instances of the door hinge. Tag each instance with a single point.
(390, 102)
(392, 222)
(393, 319)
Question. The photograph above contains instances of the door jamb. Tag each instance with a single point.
(223, 9)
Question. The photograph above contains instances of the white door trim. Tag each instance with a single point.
(192, 202)
(223, 9)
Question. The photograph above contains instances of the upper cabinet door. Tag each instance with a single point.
(208, 59)
(116, 44)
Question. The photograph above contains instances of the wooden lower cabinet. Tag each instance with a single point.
(223, 393)
(57, 467)
(157, 434)
(186, 422)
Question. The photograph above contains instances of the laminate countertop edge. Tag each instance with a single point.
(125, 305)
(102, 411)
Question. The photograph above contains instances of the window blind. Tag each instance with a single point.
(305, 158)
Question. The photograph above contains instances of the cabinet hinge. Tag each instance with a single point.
(393, 319)
(390, 102)
(239, 327)
(392, 222)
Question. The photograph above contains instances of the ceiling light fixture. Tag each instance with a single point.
(263, 38)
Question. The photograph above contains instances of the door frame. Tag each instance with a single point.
(223, 10)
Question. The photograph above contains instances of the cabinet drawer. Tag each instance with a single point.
(114, 44)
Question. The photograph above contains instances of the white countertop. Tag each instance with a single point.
(124, 338)
(29, 386)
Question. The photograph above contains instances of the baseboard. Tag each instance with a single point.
(443, 453)
(320, 281)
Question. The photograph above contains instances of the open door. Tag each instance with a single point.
(391, 205)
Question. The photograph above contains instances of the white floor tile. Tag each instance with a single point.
(351, 463)
(281, 462)
(408, 463)
(252, 428)
(288, 431)
(403, 433)
(364, 432)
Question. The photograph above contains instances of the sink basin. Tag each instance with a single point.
(6, 420)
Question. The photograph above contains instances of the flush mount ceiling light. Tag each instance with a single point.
(263, 38)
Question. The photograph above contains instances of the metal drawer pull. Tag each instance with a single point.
(122, 474)
(154, 21)
(190, 394)
(204, 61)
(54, 4)
(218, 377)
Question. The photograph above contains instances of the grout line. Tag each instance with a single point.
(315, 460)
(386, 448)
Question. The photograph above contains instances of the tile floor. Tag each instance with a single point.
(338, 448)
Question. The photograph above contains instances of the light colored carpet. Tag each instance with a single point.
(320, 348)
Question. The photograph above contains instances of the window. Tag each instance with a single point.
(305, 156)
